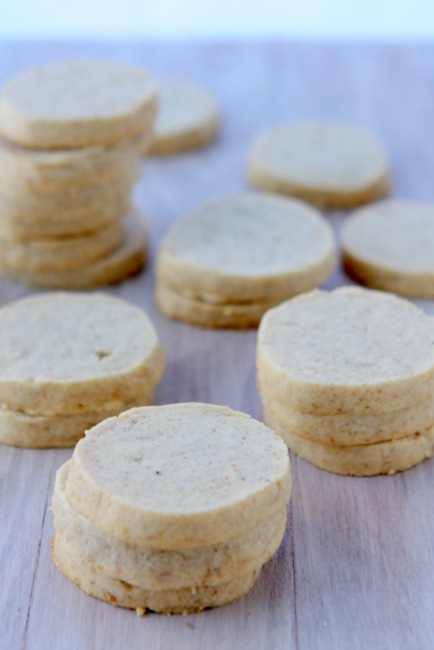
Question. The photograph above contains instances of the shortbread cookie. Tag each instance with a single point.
(329, 165)
(349, 429)
(386, 457)
(43, 431)
(66, 254)
(205, 314)
(247, 248)
(179, 476)
(390, 246)
(54, 225)
(68, 353)
(188, 118)
(44, 172)
(347, 351)
(29, 208)
(77, 104)
(154, 568)
(125, 262)
(165, 601)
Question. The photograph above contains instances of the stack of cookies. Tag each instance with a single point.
(232, 259)
(347, 379)
(68, 361)
(172, 508)
(71, 137)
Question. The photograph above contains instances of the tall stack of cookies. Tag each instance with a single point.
(71, 137)
(347, 379)
(69, 361)
(172, 508)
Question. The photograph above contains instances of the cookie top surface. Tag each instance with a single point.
(395, 235)
(321, 155)
(178, 466)
(182, 106)
(74, 98)
(249, 235)
(348, 337)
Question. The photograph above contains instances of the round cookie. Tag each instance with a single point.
(206, 314)
(348, 429)
(188, 118)
(65, 254)
(327, 164)
(246, 248)
(179, 476)
(44, 172)
(164, 601)
(347, 351)
(123, 263)
(390, 246)
(46, 431)
(154, 568)
(77, 104)
(67, 353)
(386, 457)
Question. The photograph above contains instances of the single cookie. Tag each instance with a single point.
(67, 353)
(77, 104)
(29, 208)
(386, 457)
(329, 165)
(164, 601)
(349, 429)
(347, 351)
(390, 246)
(46, 431)
(204, 314)
(188, 118)
(125, 262)
(154, 568)
(247, 248)
(66, 254)
(44, 172)
(56, 226)
(179, 476)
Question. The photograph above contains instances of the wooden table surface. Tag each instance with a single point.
(356, 567)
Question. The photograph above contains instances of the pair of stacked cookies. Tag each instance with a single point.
(68, 362)
(172, 508)
(347, 379)
(232, 259)
(71, 138)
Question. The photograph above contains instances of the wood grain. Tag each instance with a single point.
(356, 568)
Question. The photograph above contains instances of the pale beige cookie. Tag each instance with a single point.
(21, 429)
(386, 457)
(390, 246)
(248, 247)
(188, 118)
(125, 262)
(77, 104)
(349, 429)
(25, 207)
(67, 353)
(205, 314)
(327, 164)
(66, 254)
(44, 172)
(164, 601)
(55, 226)
(154, 568)
(179, 476)
(347, 351)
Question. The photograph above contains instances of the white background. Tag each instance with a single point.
(383, 20)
